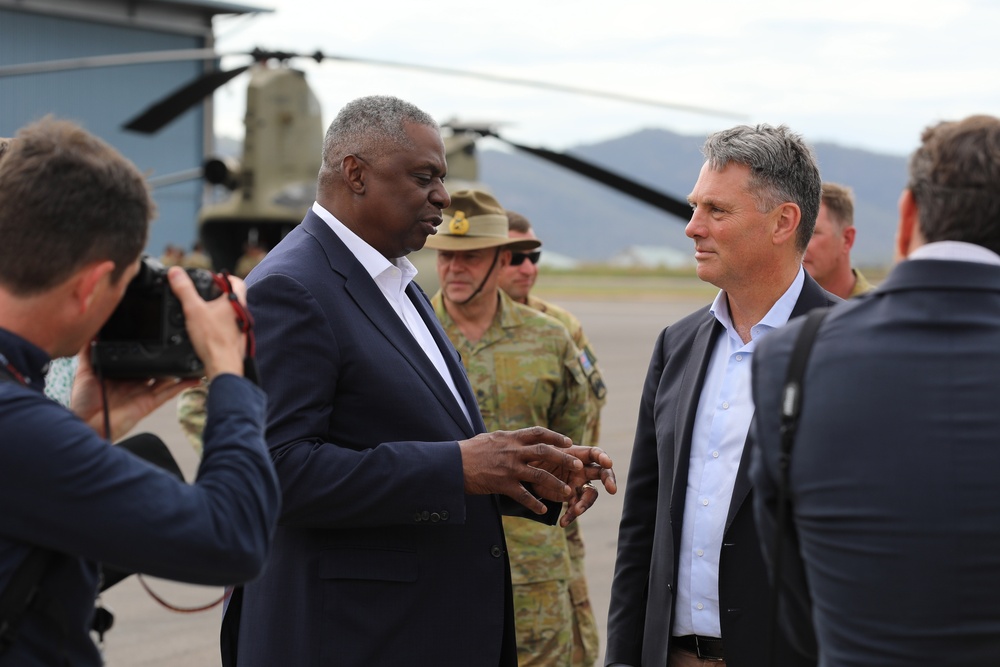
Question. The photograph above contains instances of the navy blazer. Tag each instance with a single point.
(64, 489)
(642, 594)
(380, 557)
(894, 471)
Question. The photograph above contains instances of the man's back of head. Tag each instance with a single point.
(67, 199)
(955, 182)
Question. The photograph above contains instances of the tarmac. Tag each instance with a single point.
(622, 331)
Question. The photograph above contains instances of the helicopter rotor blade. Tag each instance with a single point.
(116, 60)
(529, 83)
(163, 112)
(160, 114)
(655, 198)
(167, 180)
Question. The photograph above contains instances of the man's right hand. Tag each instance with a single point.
(211, 325)
(500, 462)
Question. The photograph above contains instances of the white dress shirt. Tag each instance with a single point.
(392, 278)
(722, 421)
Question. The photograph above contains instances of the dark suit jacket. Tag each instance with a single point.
(380, 558)
(894, 471)
(642, 595)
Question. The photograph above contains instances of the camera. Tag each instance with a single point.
(146, 336)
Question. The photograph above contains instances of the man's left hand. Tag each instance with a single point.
(597, 465)
(129, 401)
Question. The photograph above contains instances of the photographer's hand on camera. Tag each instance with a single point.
(129, 401)
(215, 337)
(211, 325)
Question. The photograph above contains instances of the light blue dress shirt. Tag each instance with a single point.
(725, 410)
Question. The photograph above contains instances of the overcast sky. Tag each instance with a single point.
(863, 73)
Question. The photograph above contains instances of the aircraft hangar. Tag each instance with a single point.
(103, 99)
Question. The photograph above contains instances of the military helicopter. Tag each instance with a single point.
(274, 182)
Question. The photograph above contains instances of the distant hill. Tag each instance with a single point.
(583, 219)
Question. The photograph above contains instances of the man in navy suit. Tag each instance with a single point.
(893, 553)
(390, 548)
(690, 585)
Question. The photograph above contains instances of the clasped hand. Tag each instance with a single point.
(503, 461)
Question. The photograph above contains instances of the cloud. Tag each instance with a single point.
(859, 72)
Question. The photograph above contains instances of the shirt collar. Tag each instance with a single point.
(27, 358)
(373, 261)
(956, 251)
(776, 317)
(508, 314)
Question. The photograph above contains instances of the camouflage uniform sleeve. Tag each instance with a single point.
(579, 417)
(192, 413)
(570, 409)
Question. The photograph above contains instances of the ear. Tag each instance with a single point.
(908, 236)
(849, 234)
(86, 281)
(354, 172)
(786, 223)
(503, 261)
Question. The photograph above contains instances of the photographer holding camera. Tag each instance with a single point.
(74, 217)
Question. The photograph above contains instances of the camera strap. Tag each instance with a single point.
(244, 320)
(791, 408)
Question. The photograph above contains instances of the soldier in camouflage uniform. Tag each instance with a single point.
(525, 371)
(192, 413)
(516, 280)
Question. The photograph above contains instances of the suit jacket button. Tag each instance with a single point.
(435, 517)
(416, 517)
(425, 515)
(444, 515)
(496, 551)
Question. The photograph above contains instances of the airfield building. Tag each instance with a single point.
(103, 99)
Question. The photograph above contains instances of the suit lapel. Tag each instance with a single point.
(369, 299)
(687, 407)
(455, 367)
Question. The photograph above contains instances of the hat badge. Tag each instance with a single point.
(459, 224)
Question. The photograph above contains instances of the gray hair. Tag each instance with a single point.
(370, 127)
(782, 169)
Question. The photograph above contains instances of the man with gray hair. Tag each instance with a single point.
(390, 549)
(690, 586)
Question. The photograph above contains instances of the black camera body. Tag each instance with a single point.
(145, 336)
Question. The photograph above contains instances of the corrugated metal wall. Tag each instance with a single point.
(103, 99)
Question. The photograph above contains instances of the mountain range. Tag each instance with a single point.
(583, 219)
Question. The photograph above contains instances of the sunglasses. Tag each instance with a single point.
(517, 258)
